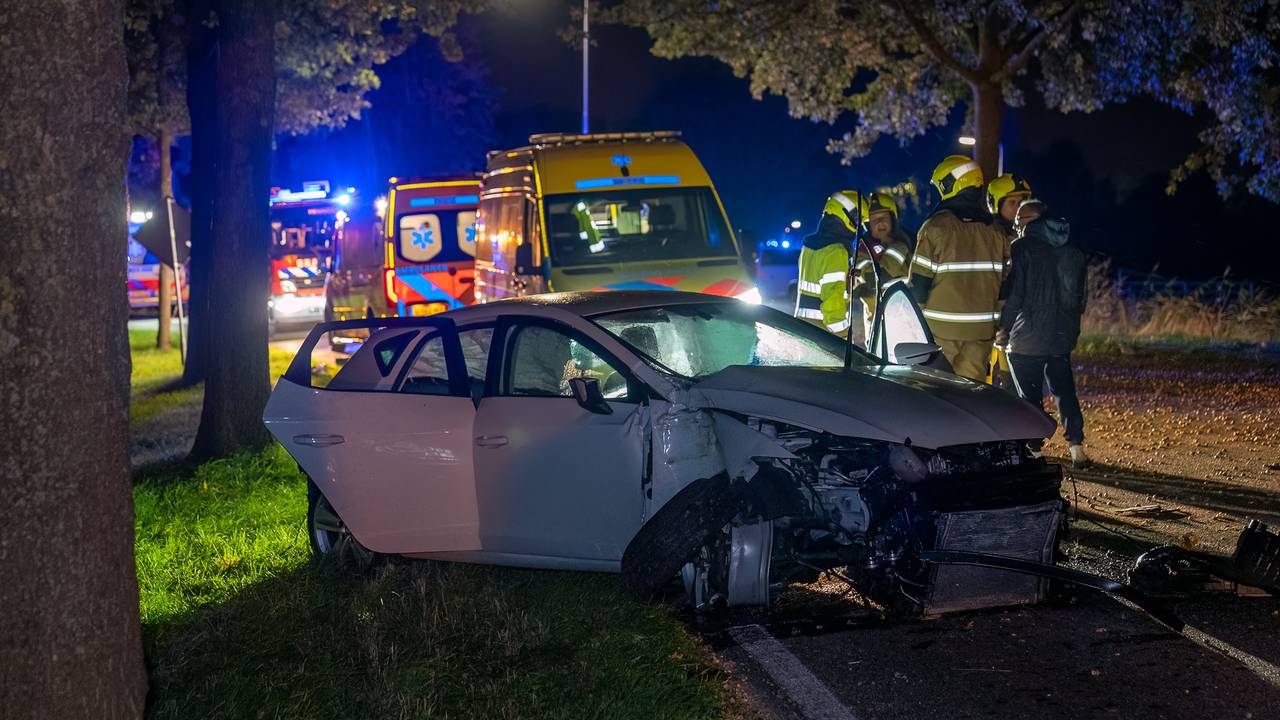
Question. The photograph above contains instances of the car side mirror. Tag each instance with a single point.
(587, 392)
(915, 353)
(524, 259)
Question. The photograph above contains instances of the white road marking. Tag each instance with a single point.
(1253, 663)
(808, 693)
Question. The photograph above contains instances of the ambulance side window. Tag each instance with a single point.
(358, 247)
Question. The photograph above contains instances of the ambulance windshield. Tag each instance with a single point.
(636, 225)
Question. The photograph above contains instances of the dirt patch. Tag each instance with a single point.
(1185, 443)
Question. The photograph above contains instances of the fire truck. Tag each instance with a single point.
(417, 258)
(305, 227)
(144, 272)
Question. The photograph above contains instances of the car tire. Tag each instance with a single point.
(331, 540)
(677, 532)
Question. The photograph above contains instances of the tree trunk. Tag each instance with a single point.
(988, 115)
(236, 383)
(70, 642)
(164, 296)
(202, 52)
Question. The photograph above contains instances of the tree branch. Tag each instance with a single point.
(1019, 58)
(933, 45)
(990, 55)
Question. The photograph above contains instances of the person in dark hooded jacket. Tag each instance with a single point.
(1040, 322)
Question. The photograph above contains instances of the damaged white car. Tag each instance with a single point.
(676, 437)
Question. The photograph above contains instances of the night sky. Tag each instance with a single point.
(1105, 172)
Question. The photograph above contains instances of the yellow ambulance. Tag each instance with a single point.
(609, 211)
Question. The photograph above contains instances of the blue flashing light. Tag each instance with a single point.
(295, 196)
(444, 200)
(772, 243)
(343, 199)
(620, 160)
(595, 183)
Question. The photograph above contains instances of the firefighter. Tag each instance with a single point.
(890, 249)
(1004, 195)
(822, 296)
(959, 264)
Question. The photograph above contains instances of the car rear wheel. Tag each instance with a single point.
(330, 538)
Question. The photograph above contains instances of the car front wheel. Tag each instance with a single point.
(330, 537)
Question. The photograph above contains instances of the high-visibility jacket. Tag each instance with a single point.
(891, 259)
(822, 292)
(966, 257)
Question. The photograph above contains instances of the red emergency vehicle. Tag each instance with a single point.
(305, 225)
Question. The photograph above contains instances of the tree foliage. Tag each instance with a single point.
(899, 67)
(327, 52)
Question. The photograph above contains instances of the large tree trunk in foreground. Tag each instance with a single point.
(236, 375)
(70, 644)
(201, 70)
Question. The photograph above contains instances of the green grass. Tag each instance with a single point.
(156, 373)
(238, 621)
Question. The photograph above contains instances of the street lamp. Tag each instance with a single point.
(971, 141)
(795, 224)
(586, 46)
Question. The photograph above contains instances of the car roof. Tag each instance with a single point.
(586, 303)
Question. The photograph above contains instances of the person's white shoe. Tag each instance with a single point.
(1078, 458)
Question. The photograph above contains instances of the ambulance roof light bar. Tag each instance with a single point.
(580, 139)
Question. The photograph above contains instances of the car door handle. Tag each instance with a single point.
(491, 441)
(319, 440)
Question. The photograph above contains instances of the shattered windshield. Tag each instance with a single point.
(700, 339)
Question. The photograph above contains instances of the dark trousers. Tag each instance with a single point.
(1029, 375)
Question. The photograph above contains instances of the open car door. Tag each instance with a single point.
(900, 333)
(388, 441)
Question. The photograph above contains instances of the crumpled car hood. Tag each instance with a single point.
(892, 403)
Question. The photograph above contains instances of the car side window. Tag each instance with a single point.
(542, 361)
(428, 374)
(475, 353)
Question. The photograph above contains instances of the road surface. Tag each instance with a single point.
(1196, 434)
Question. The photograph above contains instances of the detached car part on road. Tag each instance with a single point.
(664, 434)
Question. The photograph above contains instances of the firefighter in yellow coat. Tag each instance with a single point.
(960, 261)
(822, 292)
(890, 249)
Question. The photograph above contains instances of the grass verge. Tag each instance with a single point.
(238, 621)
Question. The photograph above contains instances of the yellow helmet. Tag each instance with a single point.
(844, 205)
(1004, 186)
(955, 173)
(878, 202)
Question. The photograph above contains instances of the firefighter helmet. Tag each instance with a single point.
(1006, 185)
(955, 173)
(878, 202)
(844, 206)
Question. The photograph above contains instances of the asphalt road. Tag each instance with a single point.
(1084, 658)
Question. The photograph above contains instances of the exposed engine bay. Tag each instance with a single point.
(865, 511)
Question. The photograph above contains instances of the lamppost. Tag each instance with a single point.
(586, 46)
(971, 141)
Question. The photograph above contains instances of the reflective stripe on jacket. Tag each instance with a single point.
(966, 262)
(893, 264)
(822, 295)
